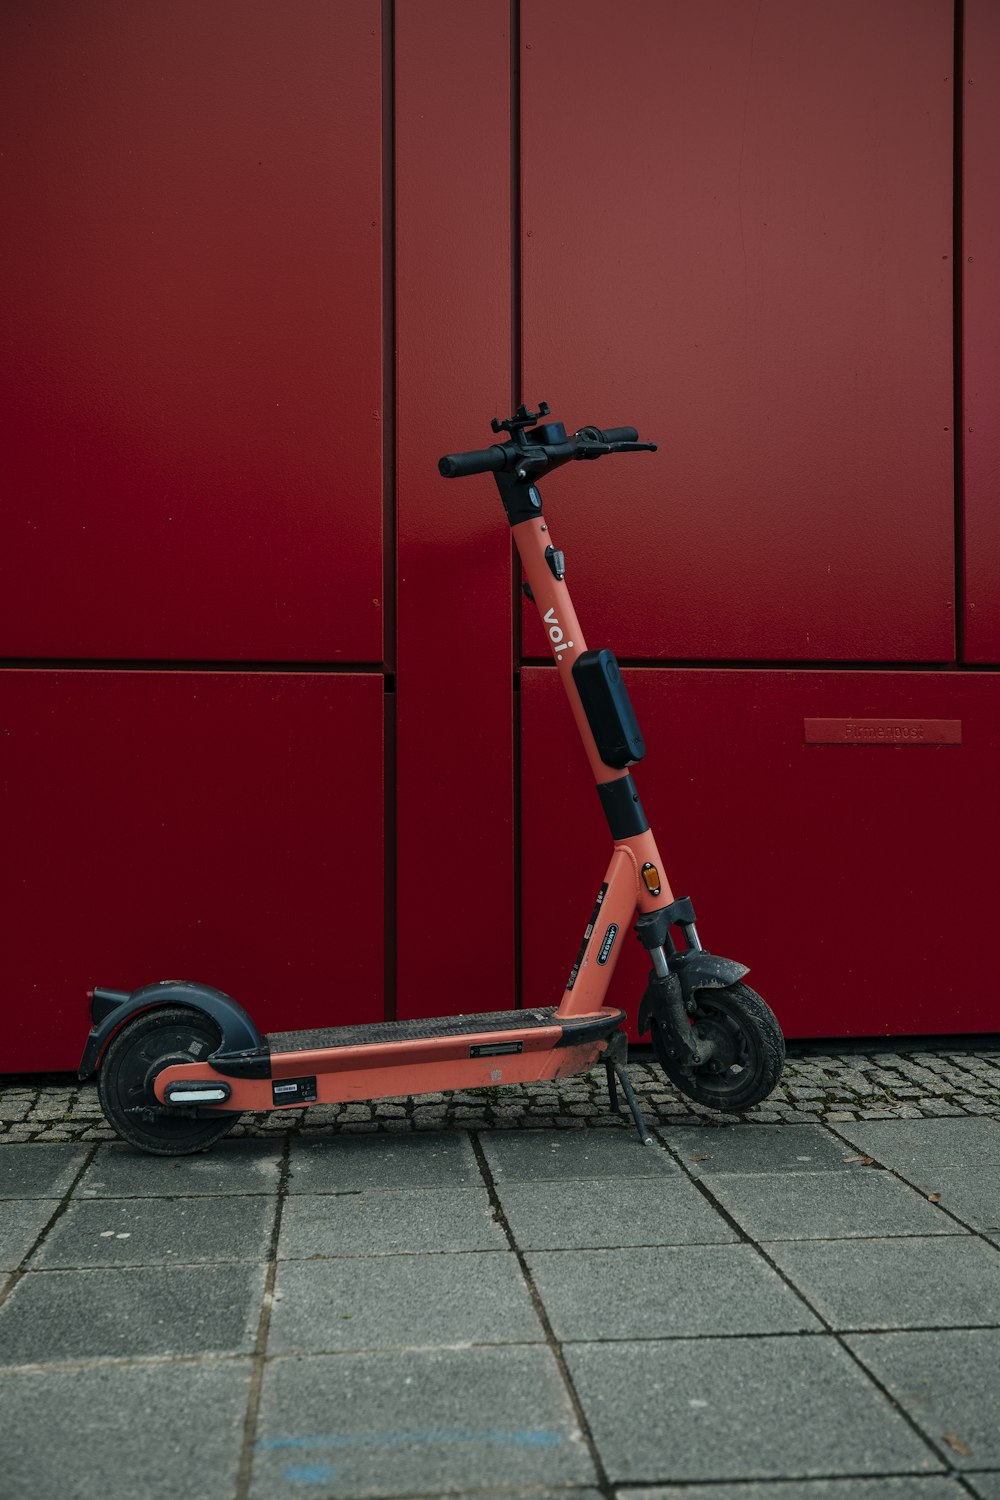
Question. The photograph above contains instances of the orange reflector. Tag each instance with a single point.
(651, 876)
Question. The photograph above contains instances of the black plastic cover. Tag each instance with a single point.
(622, 807)
(653, 927)
(608, 708)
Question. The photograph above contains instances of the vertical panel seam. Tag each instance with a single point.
(958, 274)
(515, 394)
(390, 863)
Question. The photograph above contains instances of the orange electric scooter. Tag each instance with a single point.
(178, 1061)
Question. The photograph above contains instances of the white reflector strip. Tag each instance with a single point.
(194, 1096)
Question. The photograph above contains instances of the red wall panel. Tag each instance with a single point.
(453, 684)
(981, 329)
(855, 880)
(224, 827)
(192, 330)
(737, 234)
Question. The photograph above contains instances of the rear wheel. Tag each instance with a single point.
(136, 1055)
(748, 1050)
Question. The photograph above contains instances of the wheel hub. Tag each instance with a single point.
(156, 1067)
(725, 1037)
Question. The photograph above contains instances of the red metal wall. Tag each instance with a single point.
(193, 463)
(981, 329)
(454, 747)
(271, 259)
(759, 275)
(852, 878)
(188, 824)
(193, 285)
(765, 280)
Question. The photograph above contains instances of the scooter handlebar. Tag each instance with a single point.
(480, 461)
(534, 457)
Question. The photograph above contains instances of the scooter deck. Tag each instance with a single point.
(388, 1059)
(380, 1032)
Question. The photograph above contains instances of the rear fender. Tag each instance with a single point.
(242, 1046)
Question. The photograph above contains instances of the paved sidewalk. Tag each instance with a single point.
(799, 1310)
(832, 1088)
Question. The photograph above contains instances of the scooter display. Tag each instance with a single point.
(177, 1062)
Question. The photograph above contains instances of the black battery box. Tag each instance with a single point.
(608, 708)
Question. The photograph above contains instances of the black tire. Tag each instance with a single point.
(750, 1050)
(135, 1055)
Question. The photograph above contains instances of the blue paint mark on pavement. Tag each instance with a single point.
(309, 1473)
(492, 1436)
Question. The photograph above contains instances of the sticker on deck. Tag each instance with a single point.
(496, 1049)
(293, 1091)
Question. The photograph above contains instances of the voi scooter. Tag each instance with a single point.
(177, 1061)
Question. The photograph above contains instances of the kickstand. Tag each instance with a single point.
(616, 1108)
(616, 1056)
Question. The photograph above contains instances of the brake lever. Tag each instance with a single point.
(599, 450)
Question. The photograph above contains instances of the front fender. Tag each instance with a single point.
(698, 970)
(110, 1009)
(690, 970)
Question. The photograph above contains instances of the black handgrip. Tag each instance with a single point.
(481, 461)
(619, 435)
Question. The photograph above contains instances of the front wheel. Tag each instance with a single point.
(748, 1050)
(143, 1048)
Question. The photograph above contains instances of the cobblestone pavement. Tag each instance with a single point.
(829, 1088)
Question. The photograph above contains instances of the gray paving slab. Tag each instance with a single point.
(972, 1194)
(707, 1149)
(828, 1205)
(61, 1315)
(119, 1171)
(399, 1301)
(20, 1226)
(907, 1282)
(912, 1487)
(116, 1432)
(722, 1409)
(949, 1382)
(39, 1171)
(349, 1164)
(954, 1157)
(551, 1155)
(607, 1212)
(158, 1231)
(986, 1486)
(927, 1145)
(665, 1293)
(395, 1223)
(429, 1422)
